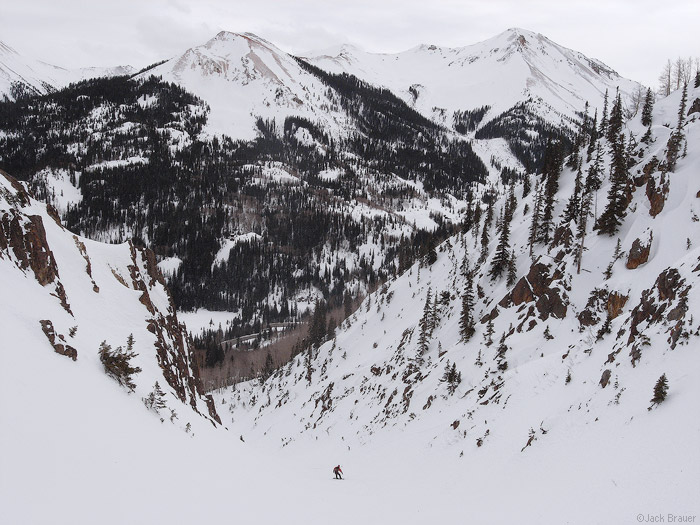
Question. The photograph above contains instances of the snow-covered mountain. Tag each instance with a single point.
(513, 67)
(560, 371)
(66, 294)
(243, 77)
(20, 74)
(517, 66)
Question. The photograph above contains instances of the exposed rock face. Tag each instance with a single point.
(639, 253)
(616, 302)
(23, 240)
(605, 378)
(541, 286)
(657, 195)
(173, 350)
(60, 348)
(26, 239)
(649, 168)
(667, 302)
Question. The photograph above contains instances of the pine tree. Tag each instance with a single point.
(501, 355)
(584, 213)
(431, 257)
(510, 206)
(593, 139)
(488, 334)
(615, 121)
(648, 108)
(553, 158)
(155, 399)
(451, 377)
(681, 108)
(604, 119)
(484, 242)
(536, 217)
(660, 391)
(527, 186)
(697, 79)
(673, 145)
(512, 269)
(466, 319)
(572, 210)
(117, 364)
(502, 256)
(615, 210)
(424, 325)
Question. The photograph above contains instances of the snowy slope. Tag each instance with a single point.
(243, 77)
(38, 77)
(514, 66)
(524, 430)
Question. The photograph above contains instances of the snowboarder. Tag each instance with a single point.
(338, 472)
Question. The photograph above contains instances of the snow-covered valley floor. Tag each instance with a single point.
(121, 465)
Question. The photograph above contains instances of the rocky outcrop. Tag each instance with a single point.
(657, 194)
(60, 348)
(542, 285)
(25, 239)
(88, 264)
(666, 302)
(173, 349)
(639, 252)
(605, 378)
(616, 302)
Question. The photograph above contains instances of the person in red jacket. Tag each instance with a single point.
(338, 472)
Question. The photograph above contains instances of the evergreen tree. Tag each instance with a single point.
(615, 210)
(526, 185)
(593, 139)
(536, 217)
(660, 391)
(648, 108)
(512, 269)
(117, 364)
(425, 325)
(452, 377)
(673, 145)
(501, 355)
(510, 205)
(499, 264)
(488, 333)
(553, 158)
(681, 107)
(155, 399)
(431, 257)
(584, 213)
(484, 242)
(604, 119)
(466, 318)
(697, 79)
(616, 119)
(572, 210)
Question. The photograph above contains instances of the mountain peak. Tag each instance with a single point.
(230, 36)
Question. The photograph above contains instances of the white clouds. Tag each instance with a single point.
(633, 37)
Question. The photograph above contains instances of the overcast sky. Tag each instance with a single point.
(634, 37)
